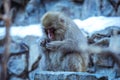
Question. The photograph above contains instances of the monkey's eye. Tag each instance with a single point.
(52, 29)
(49, 30)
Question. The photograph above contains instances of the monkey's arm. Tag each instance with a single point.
(65, 45)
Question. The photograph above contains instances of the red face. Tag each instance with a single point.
(50, 33)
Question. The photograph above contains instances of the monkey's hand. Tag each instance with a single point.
(53, 45)
(44, 42)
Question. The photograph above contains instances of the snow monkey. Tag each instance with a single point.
(62, 44)
(65, 48)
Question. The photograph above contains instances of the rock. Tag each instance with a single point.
(1, 2)
(21, 2)
(118, 12)
(15, 78)
(18, 59)
(115, 4)
(117, 79)
(29, 40)
(108, 38)
(82, 9)
(109, 73)
(17, 64)
(32, 6)
(73, 11)
(115, 43)
(20, 18)
(66, 76)
(104, 35)
(103, 42)
(107, 10)
(34, 49)
(78, 1)
(117, 73)
(34, 10)
(90, 7)
(105, 62)
(97, 8)
(34, 55)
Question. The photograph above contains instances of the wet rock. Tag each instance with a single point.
(18, 59)
(118, 12)
(117, 73)
(22, 2)
(115, 43)
(107, 38)
(32, 6)
(73, 11)
(117, 79)
(115, 4)
(34, 51)
(78, 1)
(107, 10)
(103, 42)
(34, 10)
(104, 35)
(78, 77)
(66, 76)
(29, 40)
(17, 64)
(106, 62)
(100, 7)
(1, 2)
(15, 78)
(34, 57)
(20, 18)
(90, 7)
(109, 73)
(82, 9)
(100, 62)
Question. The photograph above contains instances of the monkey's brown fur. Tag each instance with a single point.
(65, 47)
(62, 52)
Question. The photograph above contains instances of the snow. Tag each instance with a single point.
(23, 31)
(89, 25)
(93, 24)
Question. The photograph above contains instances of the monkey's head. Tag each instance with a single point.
(54, 25)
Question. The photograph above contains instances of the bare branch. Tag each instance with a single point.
(7, 6)
(1, 16)
(7, 18)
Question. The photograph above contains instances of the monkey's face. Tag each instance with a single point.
(53, 25)
(54, 33)
(50, 33)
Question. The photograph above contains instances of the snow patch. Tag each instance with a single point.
(93, 24)
(89, 25)
(23, 31)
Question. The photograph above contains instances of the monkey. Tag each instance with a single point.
(62, 44)
(65, 48)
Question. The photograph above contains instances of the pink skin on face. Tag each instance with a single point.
(50, 34)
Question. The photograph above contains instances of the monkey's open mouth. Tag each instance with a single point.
(50, 34)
